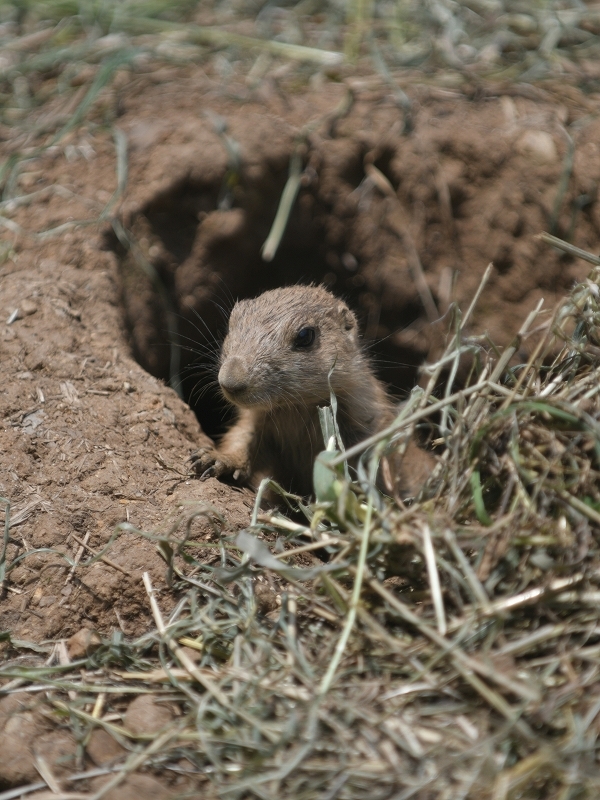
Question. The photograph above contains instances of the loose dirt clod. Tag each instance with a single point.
(146, 716)
(103, 749)
(83, 643)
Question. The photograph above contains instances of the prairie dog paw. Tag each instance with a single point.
(209, 463)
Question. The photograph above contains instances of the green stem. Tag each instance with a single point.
(354, 601)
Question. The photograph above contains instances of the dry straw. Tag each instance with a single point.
(445, 648)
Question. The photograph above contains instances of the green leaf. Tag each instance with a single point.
(477, 492)
(325, 477)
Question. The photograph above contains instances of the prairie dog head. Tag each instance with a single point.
(282, 345)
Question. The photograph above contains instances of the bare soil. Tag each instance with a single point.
(92, 435)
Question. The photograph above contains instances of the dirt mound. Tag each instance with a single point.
(400, 223)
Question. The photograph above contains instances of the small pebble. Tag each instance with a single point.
(539, 145)
(28, 307)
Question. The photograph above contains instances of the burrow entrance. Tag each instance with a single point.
(196, 249)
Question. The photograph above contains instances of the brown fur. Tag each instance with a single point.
(277, 387)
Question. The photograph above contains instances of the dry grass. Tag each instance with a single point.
(50, 46)
(447, 648)
(62, 62)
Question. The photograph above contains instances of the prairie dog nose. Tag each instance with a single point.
(233, 376)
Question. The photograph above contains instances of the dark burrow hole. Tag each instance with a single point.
(184, 251)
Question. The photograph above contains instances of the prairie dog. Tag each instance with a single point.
(283, 351)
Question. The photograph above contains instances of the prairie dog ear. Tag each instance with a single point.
(348, 318)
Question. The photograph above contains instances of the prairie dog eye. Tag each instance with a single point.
(304, 338)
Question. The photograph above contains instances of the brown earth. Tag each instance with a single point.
(91, 439)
